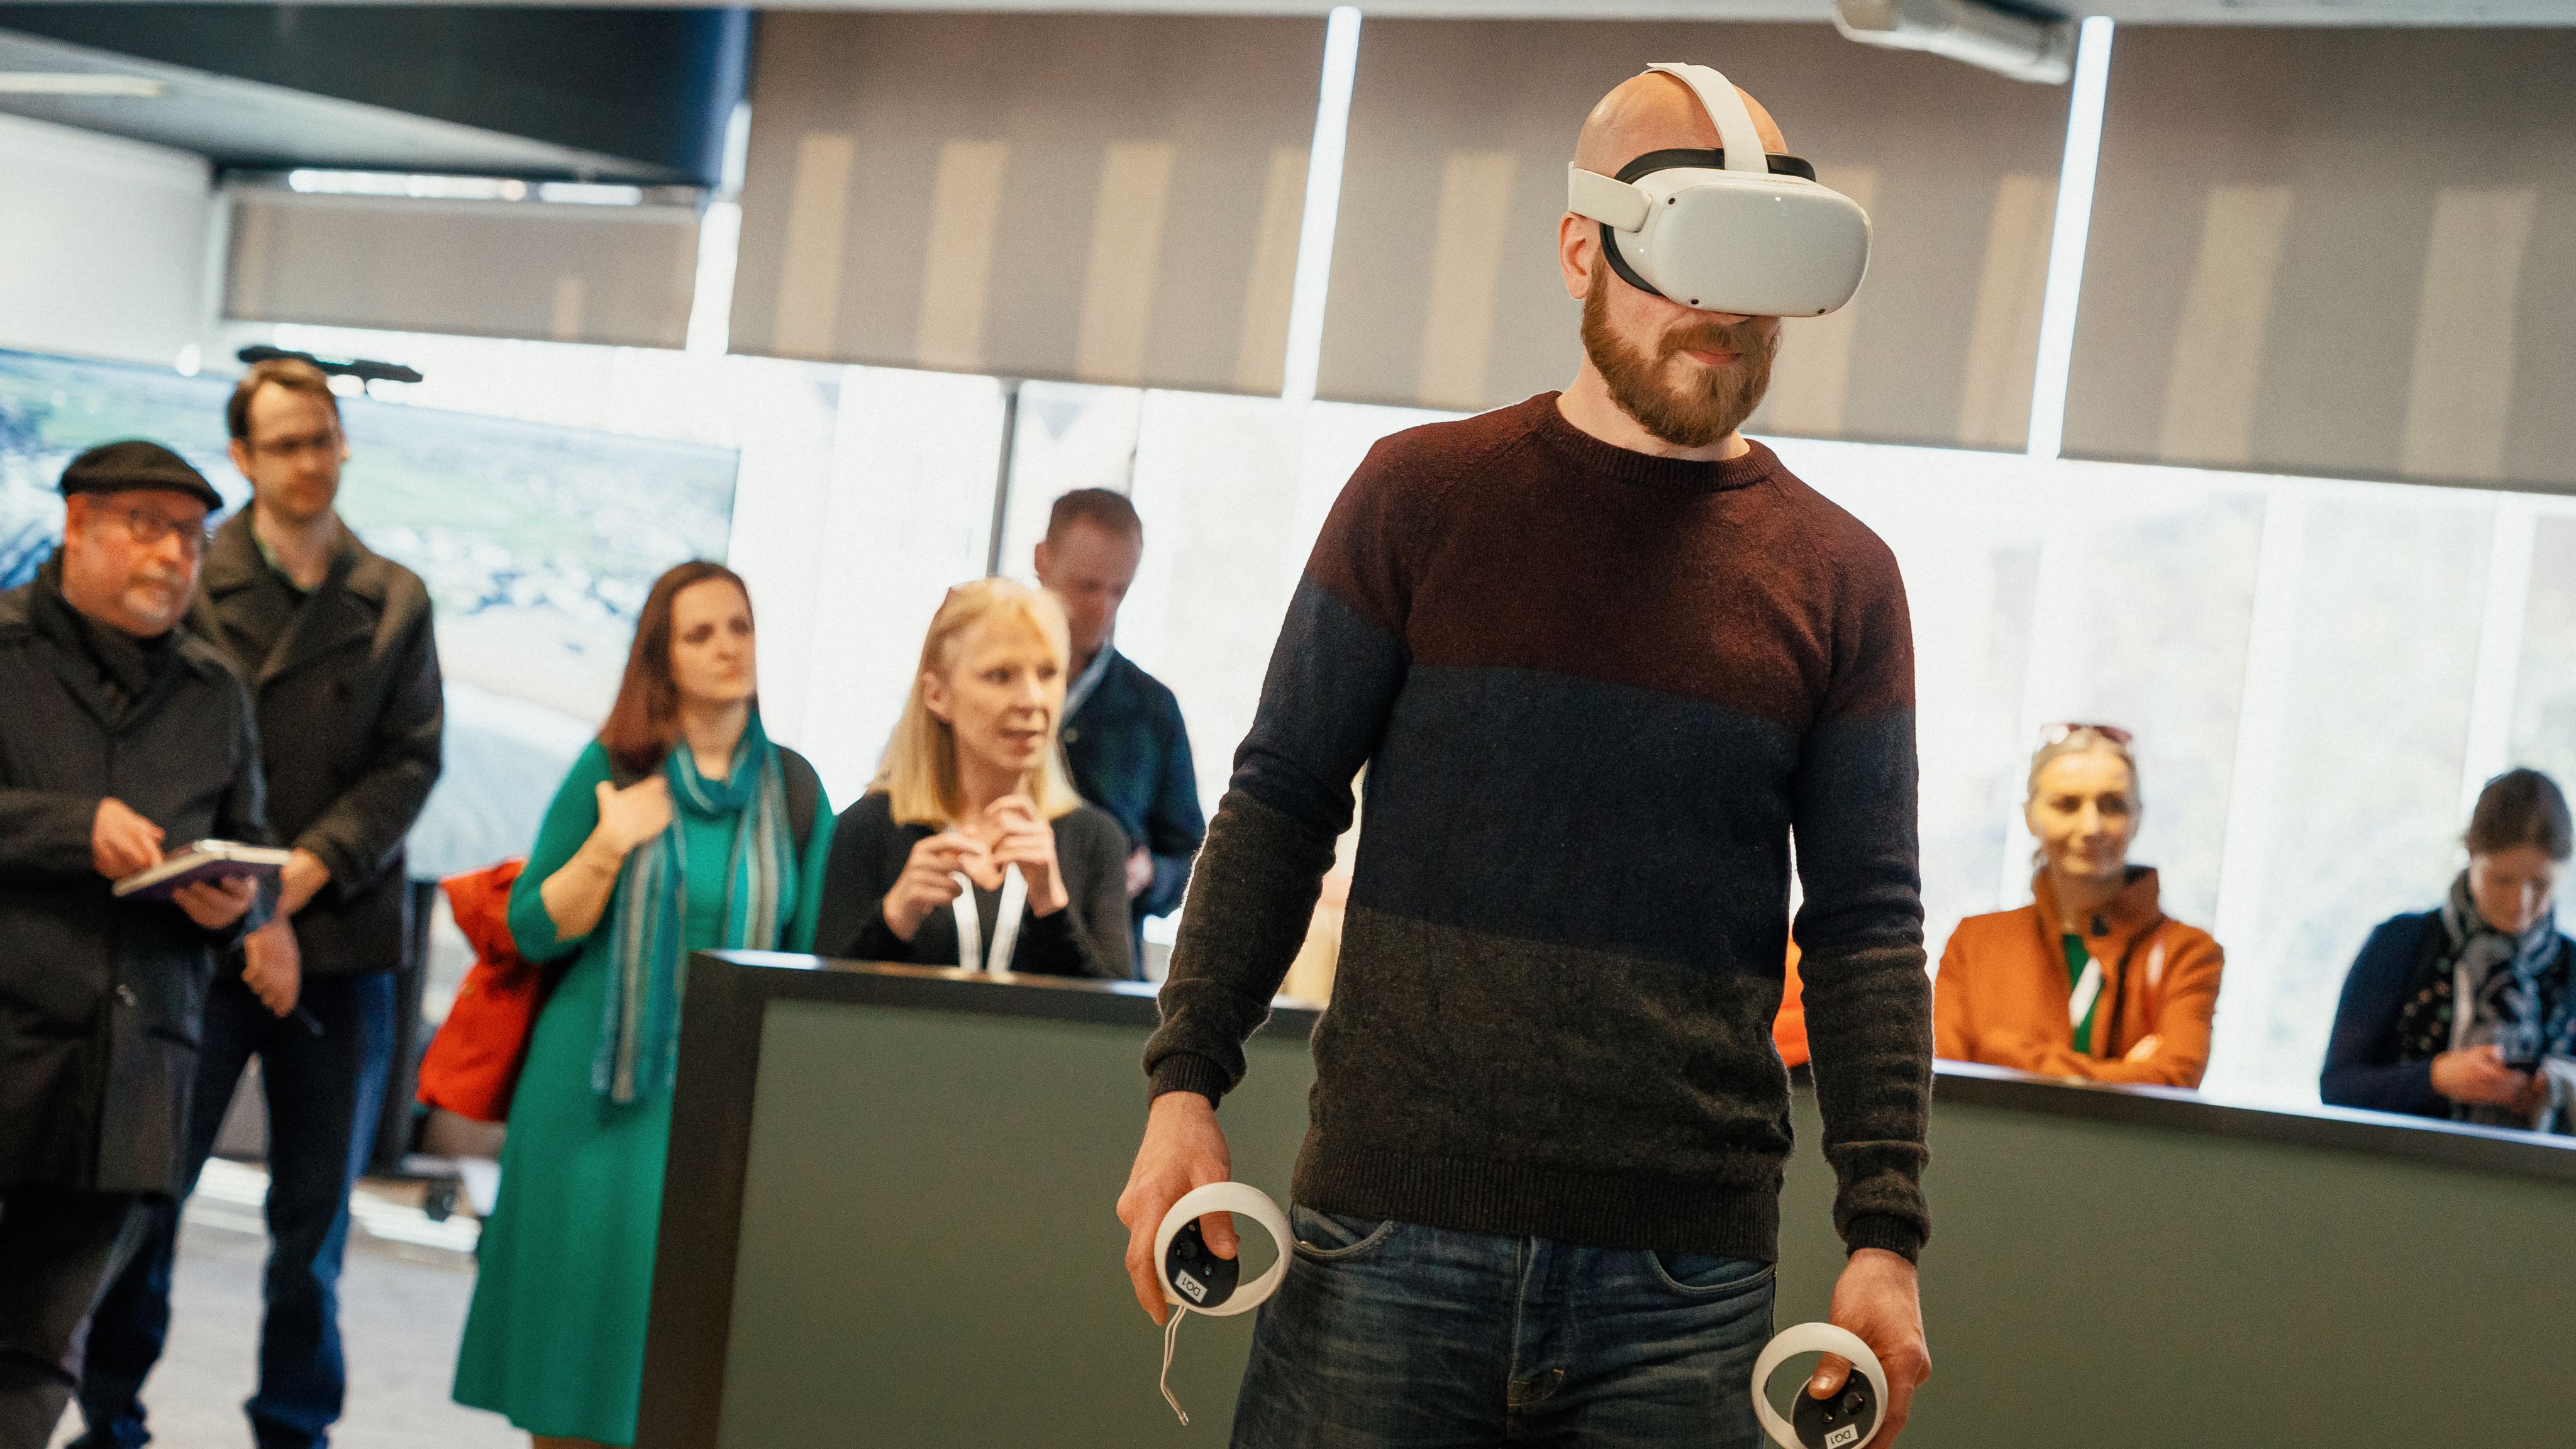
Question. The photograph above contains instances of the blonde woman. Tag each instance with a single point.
(970, 847)
(2091, 980)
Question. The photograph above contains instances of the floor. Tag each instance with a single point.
(403, 1299)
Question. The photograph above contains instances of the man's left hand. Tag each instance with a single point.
(215, 905)
(1140, 872)
(303, 877)
(1876, 1297)
(273, 966)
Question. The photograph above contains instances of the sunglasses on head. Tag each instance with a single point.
(2059, 733)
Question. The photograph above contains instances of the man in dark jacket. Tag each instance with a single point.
(335, 644)
(122, 736)
(1123, 734)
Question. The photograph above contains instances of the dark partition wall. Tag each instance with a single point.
(979, 1159)
(896, 1229)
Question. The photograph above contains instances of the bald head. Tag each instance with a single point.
(1655, 111)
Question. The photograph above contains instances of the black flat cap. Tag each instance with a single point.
(134, 463)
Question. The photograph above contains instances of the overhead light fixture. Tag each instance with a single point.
(75, 83)
(314, 181)
(2024, 41)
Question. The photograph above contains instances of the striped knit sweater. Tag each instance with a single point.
(1596, 692)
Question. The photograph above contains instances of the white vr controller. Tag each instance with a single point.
(1849, 1419)
(1732, 230)
(1196, 1280)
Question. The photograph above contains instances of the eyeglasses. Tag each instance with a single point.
(326, 441)
(2058, 733)
(148, 529)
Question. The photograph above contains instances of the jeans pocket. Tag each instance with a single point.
(1333, 1237)
(1707, 1276)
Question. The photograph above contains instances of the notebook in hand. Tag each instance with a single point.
(205, 861)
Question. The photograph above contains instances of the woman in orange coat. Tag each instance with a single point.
(2091, 980)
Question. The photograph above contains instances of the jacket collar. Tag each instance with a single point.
(2135, 910)
(234, 561)
(118, 680)
(1083, 686)
(330, 618)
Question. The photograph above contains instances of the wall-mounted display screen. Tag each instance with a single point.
(537, 542)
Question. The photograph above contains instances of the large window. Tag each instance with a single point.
(2319, 674)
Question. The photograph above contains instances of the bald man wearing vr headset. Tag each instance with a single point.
(1603, 658)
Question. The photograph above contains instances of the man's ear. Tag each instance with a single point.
(1038, 560)
(241, 455)
(1578, 244)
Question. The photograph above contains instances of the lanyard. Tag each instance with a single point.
(1006, 923)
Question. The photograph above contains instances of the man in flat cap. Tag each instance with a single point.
(123, 736)
(334, 642)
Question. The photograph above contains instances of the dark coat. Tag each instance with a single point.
(1087, 938)
(100, 999)
(350, 713)
(1130, 755)
(2364, 1065)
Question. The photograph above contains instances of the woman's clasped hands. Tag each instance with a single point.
(1009, 832)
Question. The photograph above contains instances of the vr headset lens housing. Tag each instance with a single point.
(1756, 236)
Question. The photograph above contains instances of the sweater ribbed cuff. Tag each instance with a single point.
(1883, 1230)
(1189, 1072)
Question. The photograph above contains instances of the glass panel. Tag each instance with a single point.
(1069, 435)
(911, 507)
(1233, 491)
(2361, 815)
(1967, 531)
(2147, 594)
(2544, 703)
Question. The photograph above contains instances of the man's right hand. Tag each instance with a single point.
(1183, 1151)
(122, 842)
(273, 966)
(2478, 1074)
(1879, 1300)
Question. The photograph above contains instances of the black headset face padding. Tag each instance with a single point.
(1713, 159)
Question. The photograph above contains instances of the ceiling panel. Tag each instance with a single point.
(247, 125)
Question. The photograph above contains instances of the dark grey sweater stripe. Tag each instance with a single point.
(1596, 694)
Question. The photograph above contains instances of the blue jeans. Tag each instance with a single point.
(325, 1093)
(1390, 1334)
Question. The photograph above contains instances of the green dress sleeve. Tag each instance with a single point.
(569, 821)
(809, 875)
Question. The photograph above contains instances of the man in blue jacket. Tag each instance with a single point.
(1123, 734)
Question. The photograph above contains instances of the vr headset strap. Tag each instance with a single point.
(1718, 97)
(1605, 199)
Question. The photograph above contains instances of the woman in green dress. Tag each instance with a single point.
(681, 828)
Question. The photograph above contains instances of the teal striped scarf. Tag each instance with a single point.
(639, 1028)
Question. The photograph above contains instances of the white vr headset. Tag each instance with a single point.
(1732, 230)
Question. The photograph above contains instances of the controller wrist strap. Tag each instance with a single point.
(1171, 1333)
